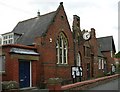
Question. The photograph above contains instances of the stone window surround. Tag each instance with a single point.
(62, 49)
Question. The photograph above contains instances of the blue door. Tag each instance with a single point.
(24, 73)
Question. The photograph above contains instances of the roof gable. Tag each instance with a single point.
(36, 27)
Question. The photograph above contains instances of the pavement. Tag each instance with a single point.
(34, 90)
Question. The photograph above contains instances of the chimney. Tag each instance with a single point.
(93, 33)
(61, 3)
(76, 22)
(38, 14)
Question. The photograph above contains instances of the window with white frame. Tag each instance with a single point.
(2, 63)
(78, 63)
(102, 64)
(99, 64)
(62, 49)
(8, 38)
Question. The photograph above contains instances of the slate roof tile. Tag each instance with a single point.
(33, 27)
(106, 43)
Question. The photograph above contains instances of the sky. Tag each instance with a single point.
(119, 26)
(99, 14)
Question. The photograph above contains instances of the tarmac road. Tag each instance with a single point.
(112, 85)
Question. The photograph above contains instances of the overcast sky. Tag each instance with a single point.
(99, 14)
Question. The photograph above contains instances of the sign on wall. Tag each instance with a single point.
(76, 71)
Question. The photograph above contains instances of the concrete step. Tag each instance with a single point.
(33, 89)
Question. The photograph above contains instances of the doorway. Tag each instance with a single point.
(88, 70)
(24, 73)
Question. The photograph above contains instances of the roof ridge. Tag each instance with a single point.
(37, 17)
(27, 20)
(47, 13)
(104, 37)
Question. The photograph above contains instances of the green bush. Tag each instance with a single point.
(54, 80)
(7, 85)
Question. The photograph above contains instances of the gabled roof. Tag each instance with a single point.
(106, 43)
(35, 27)
(32, 28)
(38, 26)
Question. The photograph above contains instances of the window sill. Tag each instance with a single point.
(101, 69)
(63, 65)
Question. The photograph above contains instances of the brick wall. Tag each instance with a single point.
(12, 66)
(83, 85)
(46, 67)
(47, 49)
(8, 75)
(110, 60)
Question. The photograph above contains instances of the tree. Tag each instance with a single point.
(117, 55)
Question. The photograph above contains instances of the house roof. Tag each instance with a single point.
(99, 53)
(33, 27)
(106, 43)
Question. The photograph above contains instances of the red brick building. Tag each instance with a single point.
(45, 47)
(107, 47)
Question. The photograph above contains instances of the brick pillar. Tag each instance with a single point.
(54, 84)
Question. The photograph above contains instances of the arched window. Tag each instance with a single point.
(78, 62)
(62, 49)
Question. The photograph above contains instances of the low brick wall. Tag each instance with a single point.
(13, 90)
(89, 83)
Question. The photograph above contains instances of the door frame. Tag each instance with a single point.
(23, 60)
(30, 74)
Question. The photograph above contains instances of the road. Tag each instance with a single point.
(112, 85)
